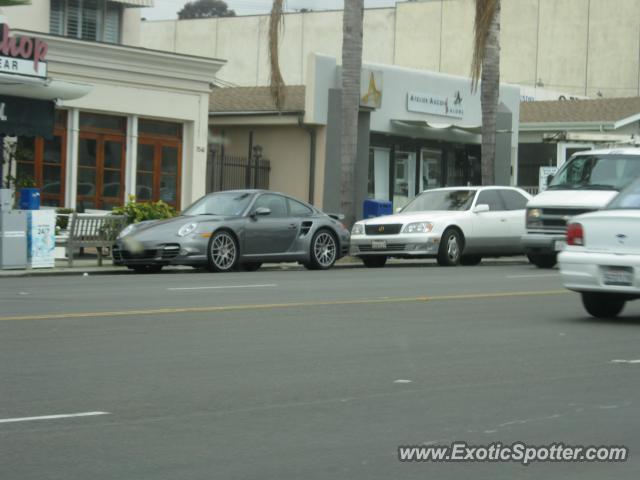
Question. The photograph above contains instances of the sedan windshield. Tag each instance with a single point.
(597, 172)
(224, 203)
(441, 200)
(628, 199)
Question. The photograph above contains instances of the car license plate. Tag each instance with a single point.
(559, 245)
(619, 276)
(379, 244)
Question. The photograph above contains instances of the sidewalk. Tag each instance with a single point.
(89, 266)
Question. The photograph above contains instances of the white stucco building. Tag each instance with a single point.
(128, 120)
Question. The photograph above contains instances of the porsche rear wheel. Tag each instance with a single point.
(324, 251)
(222, 252)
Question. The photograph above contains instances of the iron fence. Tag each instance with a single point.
(231, 172)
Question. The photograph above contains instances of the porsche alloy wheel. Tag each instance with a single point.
(222, 253)
(324, 249)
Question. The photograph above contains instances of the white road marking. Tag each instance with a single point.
(52, 417)
(223, 287)
(402, 381)
(625, 361)
(535, 275)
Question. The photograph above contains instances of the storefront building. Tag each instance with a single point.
(417, 130)
(552, 131)
(124, 120)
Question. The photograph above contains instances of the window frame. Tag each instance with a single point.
(60, 25)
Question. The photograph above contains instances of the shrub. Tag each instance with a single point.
(140, 211)
(62, 222)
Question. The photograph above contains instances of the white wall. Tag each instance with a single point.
(562, 43)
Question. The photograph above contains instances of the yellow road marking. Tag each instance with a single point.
(269, 306)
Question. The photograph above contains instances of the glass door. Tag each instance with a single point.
(100, 171)
(158, 171)
(430, 169)
(404, 178)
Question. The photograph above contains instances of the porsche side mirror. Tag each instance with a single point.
(261, 212)
(483, 207)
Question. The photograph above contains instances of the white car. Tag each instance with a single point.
(602, 257)
(455, 225)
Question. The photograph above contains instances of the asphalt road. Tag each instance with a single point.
(289, 374)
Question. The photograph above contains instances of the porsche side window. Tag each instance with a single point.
(297, 209)
(275, 203)
(491, 198)
(513, 200)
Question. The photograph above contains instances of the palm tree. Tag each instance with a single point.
(275, 25)
(486, 67)
(352, 31)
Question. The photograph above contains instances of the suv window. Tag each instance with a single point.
(513, 200)
(491, 198)
(597, 172)
(275, 203)
(298, 209)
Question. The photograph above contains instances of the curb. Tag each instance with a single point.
(350, 263)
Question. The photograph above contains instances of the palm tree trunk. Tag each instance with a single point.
(352, 31)
(489, 97)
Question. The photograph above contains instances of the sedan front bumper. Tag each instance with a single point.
(585, 271)
(402, 245)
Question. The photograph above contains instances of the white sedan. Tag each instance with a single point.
(455, 225)
(602, 257)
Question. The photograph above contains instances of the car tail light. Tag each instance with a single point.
(575, 234)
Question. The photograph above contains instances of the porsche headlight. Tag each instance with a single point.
(358, 229)
(126, 230)
(187, 229)
(418, 227)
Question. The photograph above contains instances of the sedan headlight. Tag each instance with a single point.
(187, 229)
(418, 227)
(126, 230)
(358, 229)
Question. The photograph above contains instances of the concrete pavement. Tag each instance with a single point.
(315, 375)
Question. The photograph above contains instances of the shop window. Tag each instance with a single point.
(98, 20)
(159, 162)
(42, 161)
(101, 162)
(532, 156)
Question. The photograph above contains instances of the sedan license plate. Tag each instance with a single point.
(618, 276)
(378, 244)
(559, 245)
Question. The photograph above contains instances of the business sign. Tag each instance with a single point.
(544, 176)
(26, 116)
(41, 238)
(445, 106)
(26, 56)
(370, 88)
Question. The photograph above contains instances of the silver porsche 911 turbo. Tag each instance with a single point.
(235, 229)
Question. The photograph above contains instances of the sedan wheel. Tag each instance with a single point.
(450, 248)
(543, 260)
(324, 250)
(374, 261)
(222, 253)
(602, 305)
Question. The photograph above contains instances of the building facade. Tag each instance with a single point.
(128, 120)
(578, 47)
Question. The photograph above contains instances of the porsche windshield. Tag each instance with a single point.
(224, 203)
(441, 200)
(597, 172)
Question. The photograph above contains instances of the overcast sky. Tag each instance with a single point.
(167, 9)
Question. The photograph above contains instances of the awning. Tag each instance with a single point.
(475, 129)
(26, 117)
(42, 89)
(135, 3)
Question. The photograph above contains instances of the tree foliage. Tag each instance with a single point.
(205, 9)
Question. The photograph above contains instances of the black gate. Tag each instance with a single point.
(231, 172)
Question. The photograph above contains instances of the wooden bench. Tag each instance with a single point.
(86, 231)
